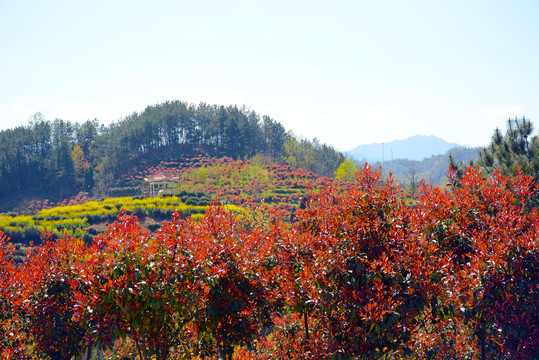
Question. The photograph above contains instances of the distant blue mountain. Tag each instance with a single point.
(417, 147)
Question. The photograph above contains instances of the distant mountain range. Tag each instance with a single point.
(432, 169)
(426, 156)
(417, 148)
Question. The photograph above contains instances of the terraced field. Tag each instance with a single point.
(90, 218)
(255, 184)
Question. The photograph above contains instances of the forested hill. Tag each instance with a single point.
(57, 159)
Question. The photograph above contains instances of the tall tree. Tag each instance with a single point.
(274, 137)
(86, 134)
(62, 134)
(518, 148)
(412, 174)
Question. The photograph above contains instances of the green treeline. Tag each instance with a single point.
(59, 158)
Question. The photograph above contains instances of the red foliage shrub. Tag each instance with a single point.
(358, 273)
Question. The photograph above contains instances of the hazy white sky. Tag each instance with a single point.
(346, 72)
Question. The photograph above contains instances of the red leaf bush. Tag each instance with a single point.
(356, 274)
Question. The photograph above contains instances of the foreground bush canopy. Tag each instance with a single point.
(357, 275)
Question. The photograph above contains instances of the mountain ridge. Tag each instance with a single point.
(417, 147)
(432, 169)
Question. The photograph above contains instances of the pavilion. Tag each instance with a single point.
(160, 183)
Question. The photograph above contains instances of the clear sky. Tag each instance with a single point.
(345, 72)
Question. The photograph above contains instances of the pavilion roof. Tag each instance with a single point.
(161, 176)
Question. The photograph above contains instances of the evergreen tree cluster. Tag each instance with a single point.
(51, 158)
(58, 158)
(517, 149)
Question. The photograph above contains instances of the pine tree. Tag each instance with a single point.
(518, 148)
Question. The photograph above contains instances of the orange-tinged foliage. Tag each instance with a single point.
(41, 301)
(358, 274)
(476, 227)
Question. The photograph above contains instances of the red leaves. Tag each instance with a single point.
(42, 302)
(474, 228)
(358, 274)
(509, 305)
(348, 243)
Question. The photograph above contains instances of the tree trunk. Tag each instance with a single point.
(138, 348)
(482, 344)
(89, 351)
(306, 325)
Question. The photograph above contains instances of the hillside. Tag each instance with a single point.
(256, 185)
(415, 148)
(93, 217)
(56, 160)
